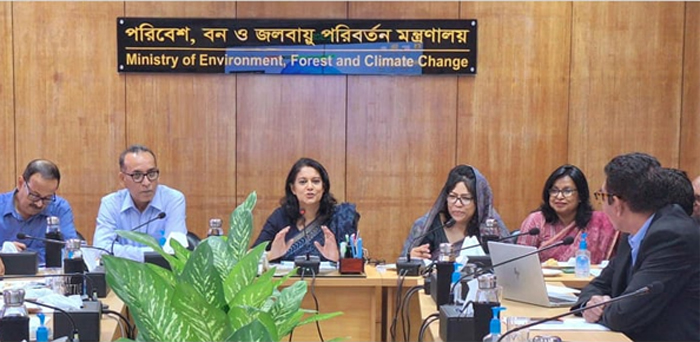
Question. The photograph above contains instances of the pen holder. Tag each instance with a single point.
(351, 266)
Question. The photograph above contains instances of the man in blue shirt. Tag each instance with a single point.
(661, 247)
(139, 206)
(25, 209)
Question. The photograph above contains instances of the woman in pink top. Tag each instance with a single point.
(566, 211)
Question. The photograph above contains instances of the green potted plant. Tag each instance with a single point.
(212, 293)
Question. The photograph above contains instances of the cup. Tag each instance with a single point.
(513, 322)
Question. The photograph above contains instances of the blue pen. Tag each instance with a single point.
(359, 248)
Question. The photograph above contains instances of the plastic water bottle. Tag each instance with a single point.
(215, 229)
(53, 250)
(494, 326)
(583, 259)
(14, 321)
(457, 285)
(42, 332)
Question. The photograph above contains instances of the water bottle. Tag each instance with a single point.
(456, 284)
(446, 252)
(53, 250)
(215, 229)
(488, 232)
(487, 297)
(73, 263)
(14, 321)
(494, 326)
(582, 268)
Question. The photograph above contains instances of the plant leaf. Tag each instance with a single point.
(181, 252)
(320, 317)
(243, 273)
(253, 332)
(222, 258)
(203, 276)
(163, 273)
(241, 226)
(266, 320)
(286, 308)
(148, 296)
(145, 239)
(285, 327)
(253, 295)
(206, 321)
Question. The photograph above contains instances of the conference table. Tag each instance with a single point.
(518, 309)
(368, 304)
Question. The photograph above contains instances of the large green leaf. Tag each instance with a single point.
(223, 262)
(181, 252)
(203, 276)
(205, 321)
(167, 275)
(145, 239)
(253, 295)
(148, 297)
(286, 308)
(243, 273)
(253, 332)
(266, 320)
(241, 226)
(319, 317)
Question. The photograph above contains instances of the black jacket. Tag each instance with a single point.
(670, 253)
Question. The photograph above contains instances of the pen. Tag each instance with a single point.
(359, 248)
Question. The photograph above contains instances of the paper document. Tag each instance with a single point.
(574, 323)
(561, 290)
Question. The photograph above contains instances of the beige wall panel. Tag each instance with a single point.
(292, 9)
(626, 69)
(690, 119)
(512, 119)
(8, 178)
(401, 138)
(284, 118)
(69, 98)
(189, 120)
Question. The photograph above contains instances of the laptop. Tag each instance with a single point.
(522, 280)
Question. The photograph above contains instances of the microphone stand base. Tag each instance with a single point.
(409, 268)
(455, 326)
(308, 266)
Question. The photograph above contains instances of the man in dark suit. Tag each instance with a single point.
(663, 244)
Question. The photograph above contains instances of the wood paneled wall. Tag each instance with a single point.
(558, 82)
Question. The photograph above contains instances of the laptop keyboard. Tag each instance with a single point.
(561, 300)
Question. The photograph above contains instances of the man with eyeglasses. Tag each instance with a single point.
(661, 246)
(139, 206)
(25, 209)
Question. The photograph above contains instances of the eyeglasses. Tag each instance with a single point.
(465, 200)
(36, 198)
(138, 176)
(566, 192)
(600, 195)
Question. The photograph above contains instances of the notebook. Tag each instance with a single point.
(522, 280)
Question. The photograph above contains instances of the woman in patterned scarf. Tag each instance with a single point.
(309, 221)
(466, 198)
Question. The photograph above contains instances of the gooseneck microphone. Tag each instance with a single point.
(406, 266)
(533, 231)
(567, 241)
(160, 215)
(22, 236)
(652, 289)
(306, 264)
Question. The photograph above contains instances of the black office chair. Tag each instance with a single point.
(192, 240)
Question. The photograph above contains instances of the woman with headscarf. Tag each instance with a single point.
(466, 198)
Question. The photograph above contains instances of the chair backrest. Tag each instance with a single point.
(80, 236)
(192, 240)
